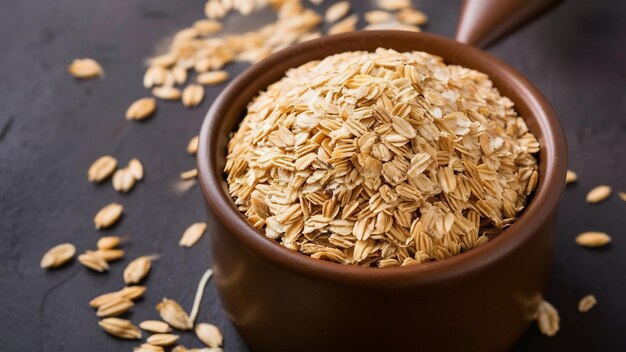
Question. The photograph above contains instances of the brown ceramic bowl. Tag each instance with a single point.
(281, 300)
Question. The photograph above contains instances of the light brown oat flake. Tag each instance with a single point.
(207, 27)
(586, 303)
(192, 234)
(377, 16)
(598, 194)
(394, 5)
(193, 95)
(570, 177)
(346, 25)
(214, 9)
(162, 339)
(108, 216)
(85, 68)
(391, 26)
(212, 78)
(192, 146)
(141, 109)
(110, 255)
(120, 328)
(412, 17)
(155, 75)
(135, 168)
(114, 307)
(163, 61)
(189, 174)
(136, 270)
(109, 242)
(93, 261)
(166, 93)
(337, 11)
(102, 168)
(209, 334)
(155, 326)
(146, 347)
(622, 196)
(173, 314)
(130, 292)
(57, 256)
(593, 239)
(548, 319)
(123, 180)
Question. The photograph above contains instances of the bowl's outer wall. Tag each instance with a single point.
(277, 310)
(280, 308)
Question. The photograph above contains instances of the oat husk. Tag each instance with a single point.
(57, 256)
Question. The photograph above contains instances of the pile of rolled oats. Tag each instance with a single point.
(382, 159)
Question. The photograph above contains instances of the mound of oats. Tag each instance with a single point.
(381, 159)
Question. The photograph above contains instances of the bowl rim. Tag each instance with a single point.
(537, 212)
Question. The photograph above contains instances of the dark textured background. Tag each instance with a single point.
(52, 127)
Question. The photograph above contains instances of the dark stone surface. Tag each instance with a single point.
(52, 127)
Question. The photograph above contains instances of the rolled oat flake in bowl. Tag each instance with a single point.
(381, 159)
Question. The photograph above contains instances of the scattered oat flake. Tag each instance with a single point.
(163, 61)
(146, 347)
(167, 93)
(110, 255)
(114, 307)
(393, 5)
(344, 26)
(121, 328)
(192, 234)
(123, 180)
(586, 303)
(102, 168)
(377, 16)
(598, 194)
(412, 17)
(162, 339)
(93, 261)
(570, 177)
(337, 11)
(622, 196)
(212, 78)
(189, 174)
(136, 270)
(214, 9)
(57, 256)
(155, 326)
(193, 95)
(209, 334)
(108, 242)
(192, 146)
(593, 239)
(173, 314)
(155, 75)
(108, 216)
(207, 27)
(141, 109)
(85, 68)
(130, 292)
(136, 169)
(548, 319)
(391, 26)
